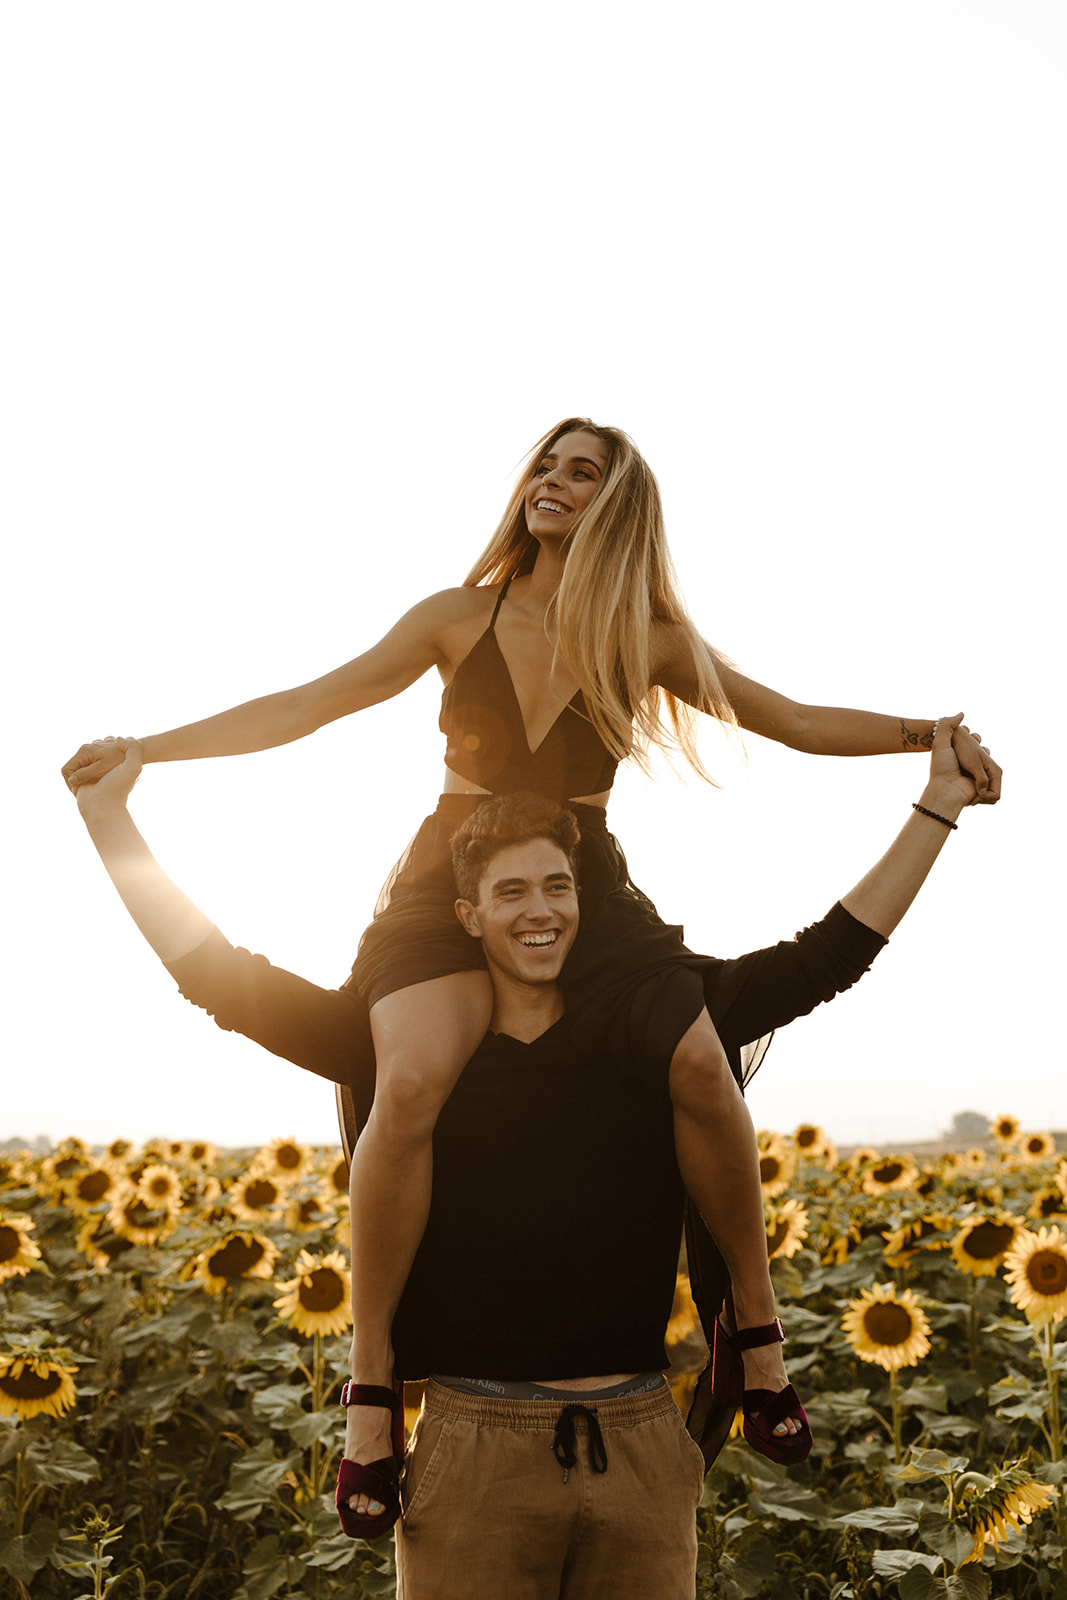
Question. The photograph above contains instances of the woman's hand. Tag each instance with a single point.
(89, 764)
(974, 759)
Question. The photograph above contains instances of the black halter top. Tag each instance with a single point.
(482, 721)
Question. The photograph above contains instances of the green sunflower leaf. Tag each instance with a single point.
(899, 1519)
(26, 1555)
(895, 1563)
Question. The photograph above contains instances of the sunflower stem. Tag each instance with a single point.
(316, 1405)
(894, 1392)
(1052, 1378)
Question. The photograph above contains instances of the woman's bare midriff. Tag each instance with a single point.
(454, 784)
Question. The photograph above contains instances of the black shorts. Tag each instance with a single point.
(629, 980)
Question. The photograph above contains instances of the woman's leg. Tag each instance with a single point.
(719, 1162)
(423, 1038)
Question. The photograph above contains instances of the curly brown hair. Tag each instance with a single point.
(503, 820)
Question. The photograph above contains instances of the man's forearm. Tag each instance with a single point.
(169, 920)
(881, 898)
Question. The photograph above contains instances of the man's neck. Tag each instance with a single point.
(524, 1011)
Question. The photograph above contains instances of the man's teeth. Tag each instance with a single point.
(537, 941)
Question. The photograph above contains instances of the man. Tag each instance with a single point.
(549, 1461)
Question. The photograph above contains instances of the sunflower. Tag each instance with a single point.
(887, 1326)
(337, 1175)
(17, 1251)
(255, 1197)
(236, 1256)
(902, 1243)
(308, 1212)
(1037, 1147)
(99, 1243)
(1048, 1203)
(13, 1169)
(317, 1300)
(777, 1164)
(56, 1170)
(118, 1150)
(685, 1318)
(1036, 1269)
(92, 1186)
(995, 1507)
(787, 1228)
(1005, 1130)
(284, 1160)
(35, 1384)
(160, 1187)
(814, 1144)
(132, 1219)
(890, 1172)
(201, 1152)
(973, 1160)
(859, 1159)
(981, 1244)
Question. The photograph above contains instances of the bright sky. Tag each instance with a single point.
(289, 290)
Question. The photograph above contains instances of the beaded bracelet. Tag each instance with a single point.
(915, 806)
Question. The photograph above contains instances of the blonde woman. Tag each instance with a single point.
(566, 651)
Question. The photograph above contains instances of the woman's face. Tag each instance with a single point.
(565, 481)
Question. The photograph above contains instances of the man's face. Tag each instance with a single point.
(527, 911)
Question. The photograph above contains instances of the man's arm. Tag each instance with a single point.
(169, 920)
(325, 1031)
(884, 894)
(766, 989)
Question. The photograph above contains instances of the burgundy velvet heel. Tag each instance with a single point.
(763, 1409)
(378, 1480)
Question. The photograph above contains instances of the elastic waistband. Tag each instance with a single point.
(542, 1416)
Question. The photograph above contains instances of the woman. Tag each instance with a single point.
(566, 651)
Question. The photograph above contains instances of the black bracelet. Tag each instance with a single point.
(915, 806)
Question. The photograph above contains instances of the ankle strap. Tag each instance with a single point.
(753, 1338)
(367, 1394)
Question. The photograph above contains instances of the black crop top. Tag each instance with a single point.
(482, 721)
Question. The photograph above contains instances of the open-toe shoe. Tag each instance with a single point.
(763, 1409)
(378, 1480)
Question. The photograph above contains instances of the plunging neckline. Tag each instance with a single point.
(568, 705)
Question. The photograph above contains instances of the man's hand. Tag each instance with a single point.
(92, 761)
(113, 788)
(974, 759)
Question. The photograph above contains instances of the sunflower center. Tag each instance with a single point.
(1046, 1272)
(10, 1244)
(805, 1138)
(94, 1186)
(288, 1157)
(321, 1290)
(260, 1193)
(30, 1384)
(888, 1172)
(989, 1239)
(769, 1169)
(887, 1323)
(236, 1257)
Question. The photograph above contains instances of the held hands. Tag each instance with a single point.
(119, 777)
(89, 764)
(974, 759)
(960, 769)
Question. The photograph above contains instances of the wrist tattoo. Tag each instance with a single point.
(910, 740)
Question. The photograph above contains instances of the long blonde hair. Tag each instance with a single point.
(618, 582)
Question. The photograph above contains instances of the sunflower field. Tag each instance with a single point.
(175, 1333)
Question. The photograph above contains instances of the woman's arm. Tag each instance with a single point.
(415, 644)
(826, 730)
